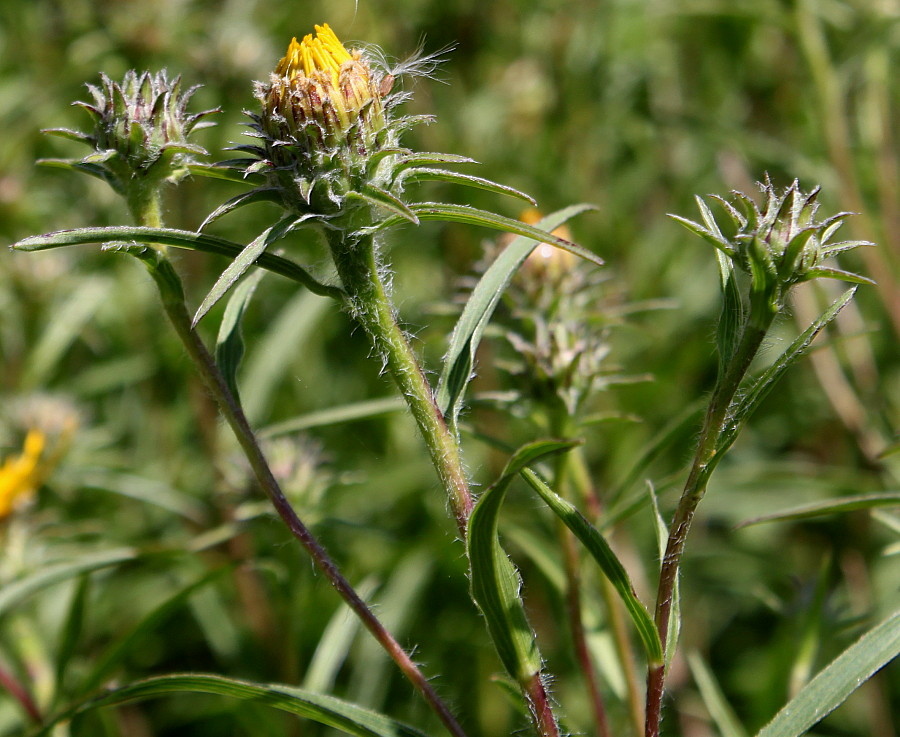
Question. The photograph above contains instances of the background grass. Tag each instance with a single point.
(633, 106)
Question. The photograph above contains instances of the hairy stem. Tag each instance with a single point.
(705, 460)
(172, 295)
(371, 306)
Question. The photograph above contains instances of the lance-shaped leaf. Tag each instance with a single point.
(383, 199)
(831, 687)
(180, 239)
(609, 563)
(426, 174)
(495, 581)
(264, 194)
(327, 710)
(224, 170)
(236, 269)
(485, 219)
(426, 158)
(459, 361)
(230, 342)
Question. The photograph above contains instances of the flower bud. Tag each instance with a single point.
(140, 131)
(324, 117)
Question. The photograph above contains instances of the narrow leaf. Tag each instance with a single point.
(718, 707)
(495, 581)
(13, 593)
(825, 272)
(335, 415)
(234, 271)
(603, 554)
(244, 198)
(831, 687)
(320, 708)
(180, 239)
(485, 219)
(460, 358)
(424, 174)
(829, 506)
(764, 383)
(230, 342)
(731, 319)
(383, 199)
(71, 631)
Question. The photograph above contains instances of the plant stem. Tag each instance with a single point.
(172, 295)
(356, 263)
(705, 460)
(563, 481)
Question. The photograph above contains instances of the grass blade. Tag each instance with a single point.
(719, 709)
(831, 687)
(335, 415)
(603, 554)
(320, 708)
(114, 654)
(828, 506)
(13, 593)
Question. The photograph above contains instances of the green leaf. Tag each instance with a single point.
(825, 272)
(720, 243)
(230, 342)
(104, 667)
(68, 320)
(14, 592)
(460, 358)
(327, 710)
(485, 219)
(71, 631)
(495, 581)
(831, 687)
(829, 506)
(263, 194)
(424, 174)
(761, 386)
(425, 158)
(180, 239)
(718, 707)
(383, 199)
(731, 319)
(603, 554)
(334, 643)
(235, 270)
(222, 170)
(662, 542)
(335, 415)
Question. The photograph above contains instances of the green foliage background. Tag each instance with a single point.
(633, 106)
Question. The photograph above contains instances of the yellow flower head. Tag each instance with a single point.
(20, 476)
(320, 83)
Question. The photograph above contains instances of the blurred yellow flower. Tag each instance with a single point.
(20, 476)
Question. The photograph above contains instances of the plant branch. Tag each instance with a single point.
(705, 460)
